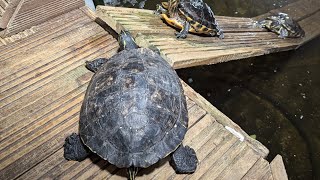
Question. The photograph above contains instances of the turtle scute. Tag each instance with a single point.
(134, 112)
(134, 109)
(283, 25)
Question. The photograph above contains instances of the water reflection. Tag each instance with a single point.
(274, 97)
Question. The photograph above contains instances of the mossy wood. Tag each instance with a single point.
(242, 38)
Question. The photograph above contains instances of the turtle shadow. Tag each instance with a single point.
(112, 170)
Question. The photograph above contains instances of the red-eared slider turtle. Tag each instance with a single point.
(134, 112)
(283, 25)
(193, 16)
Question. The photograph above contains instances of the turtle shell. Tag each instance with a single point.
(282, 22)
(197, 13)
(134, 111)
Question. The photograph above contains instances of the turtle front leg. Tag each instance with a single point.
(95, 64)
(184, 31)
(74, 149)
(160, 10)
(283, 33)
(184, 160)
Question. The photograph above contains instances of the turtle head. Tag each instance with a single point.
(126, 41)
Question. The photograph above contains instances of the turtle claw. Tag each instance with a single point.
(74, 149)
(184, 31)
(180, 35)
(184, 160)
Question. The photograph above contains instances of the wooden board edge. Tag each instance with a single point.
(223, 119)
(278, 169)
(102, 12)
(8, 13)
(101, 22)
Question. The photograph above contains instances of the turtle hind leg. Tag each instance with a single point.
(184, 31)
(74, 149)
(184, 160)
(95, 64)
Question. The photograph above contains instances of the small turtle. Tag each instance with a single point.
(134, 112)
(193, 16)
(283, 25)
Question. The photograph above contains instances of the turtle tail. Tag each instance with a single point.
(132, 172)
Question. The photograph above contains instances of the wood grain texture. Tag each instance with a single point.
(277, 168)
(42, 87)
(243, 38)
(27, 13)
(41, 90)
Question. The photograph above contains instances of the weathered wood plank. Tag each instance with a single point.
(258, 170)
(29, 13)
(47, 30)
(240, 166)
(8, 9)
(242, 37)
(277, 168)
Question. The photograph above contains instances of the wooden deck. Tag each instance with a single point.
(42, 85)
(242, 38)
(18, 15)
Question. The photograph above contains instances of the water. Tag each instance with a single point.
(275, 97)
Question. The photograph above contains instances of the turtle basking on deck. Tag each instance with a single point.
(134, 112)
(193, 16)
(283, 25)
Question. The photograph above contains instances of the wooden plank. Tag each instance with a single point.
(195, 113)
(268, 176)
(258, 170)
(47, 31)
(311, 27)
(277, 168)
(8, 9)
(242, 37)
(240, 166)
(202, 142)
(29, 13)
(227, 158)
(45, 89)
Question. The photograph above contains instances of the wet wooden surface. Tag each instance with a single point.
(42, 85)
(242, 38)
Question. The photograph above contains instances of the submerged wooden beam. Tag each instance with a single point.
(242, 38)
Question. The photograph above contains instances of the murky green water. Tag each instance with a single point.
(275, 97)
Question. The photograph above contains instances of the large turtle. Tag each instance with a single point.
(282, 25)
(134, 112)
(193, 16)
